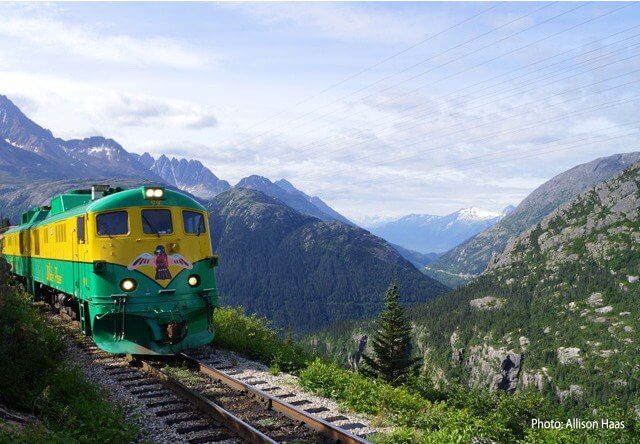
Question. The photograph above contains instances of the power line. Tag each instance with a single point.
(537, 41)
(424, 61)
(507, 53)
(535, 101)
(375, 65)
(484, 158)
(517, 88)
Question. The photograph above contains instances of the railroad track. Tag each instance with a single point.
(204, 404)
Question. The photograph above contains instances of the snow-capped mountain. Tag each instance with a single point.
(44, 156)
(428, 233)
(188, 175)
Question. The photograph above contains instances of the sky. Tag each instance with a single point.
(380, 109)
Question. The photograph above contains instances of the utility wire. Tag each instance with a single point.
(431, 84)
(537, 41)
(375, 65)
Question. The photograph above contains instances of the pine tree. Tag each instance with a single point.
(391, 343)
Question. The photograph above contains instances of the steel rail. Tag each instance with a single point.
(224, 417)
(272, 402)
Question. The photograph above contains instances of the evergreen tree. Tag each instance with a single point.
(391, 343)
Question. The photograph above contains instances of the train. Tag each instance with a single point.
(134, 267)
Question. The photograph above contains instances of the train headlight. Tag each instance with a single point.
(154, 193)
(194, 280)
(128, 285)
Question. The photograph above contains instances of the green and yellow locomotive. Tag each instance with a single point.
(134, 267)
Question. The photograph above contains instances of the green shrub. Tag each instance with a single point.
(32, 379)
(255, 337)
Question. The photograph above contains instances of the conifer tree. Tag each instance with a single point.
(391, 343)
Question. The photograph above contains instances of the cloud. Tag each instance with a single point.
(61, 37)
(139, 110)
(346, 22)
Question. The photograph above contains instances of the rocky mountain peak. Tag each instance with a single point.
(20, 131)
(188, 175)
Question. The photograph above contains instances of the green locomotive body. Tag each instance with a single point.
(134, 267)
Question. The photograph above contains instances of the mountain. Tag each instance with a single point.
(426, 233)
(187, 175)
(285, 192)
(557, 311)
(419, 260)
(57, 158)
(471, 257)
(300, 271)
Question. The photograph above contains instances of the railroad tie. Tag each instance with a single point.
(316, 410)
(174, 411)
(226, 367)
(353, 426)
(192, 429)
(145, 382)
(147, 394)
(164, 403)
(301, 402)
(271, 389)
(191, 418)
(122, 371)
(336, 418)
(136, 377)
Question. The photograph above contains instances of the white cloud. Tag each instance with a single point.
(343, 21)
(60, 37)
(140, 110)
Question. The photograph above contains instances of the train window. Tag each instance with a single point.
(193, 222)
(36, 242)
(80, 229)
(112, 224)
(157, 222)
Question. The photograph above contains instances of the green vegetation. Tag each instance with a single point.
(255, 337)
(391, 342)
(300, 272)
(33, 379)
(420, 411)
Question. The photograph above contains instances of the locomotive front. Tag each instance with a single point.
(146, 270)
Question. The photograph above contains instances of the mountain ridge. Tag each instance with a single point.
(305, 272)
(472, 256)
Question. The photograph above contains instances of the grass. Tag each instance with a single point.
(34, 379)
(256, 338)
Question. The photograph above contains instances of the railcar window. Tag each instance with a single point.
(157, 222)
(80, 229)
(193, 222)
(36, 242)
(112, 224)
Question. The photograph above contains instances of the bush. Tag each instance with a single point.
(32, 379)
(254, 337)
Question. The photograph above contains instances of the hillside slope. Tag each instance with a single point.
(472, 256)
(299, 271)
(558, 310)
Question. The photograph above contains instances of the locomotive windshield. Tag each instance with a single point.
(157, 222)
(112, 224)
(193, 222)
